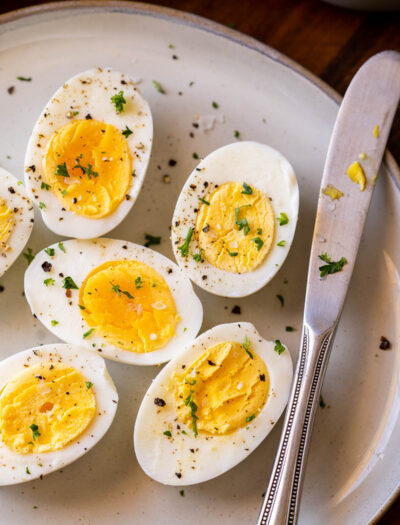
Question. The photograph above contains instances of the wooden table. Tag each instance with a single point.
(329, 41)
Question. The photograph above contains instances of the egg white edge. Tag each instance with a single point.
(94, 370)
(221, 282)
(23, 218)
(188, 305)
(150, 449)
(72, 223)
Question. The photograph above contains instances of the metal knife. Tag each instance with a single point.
(359, 139)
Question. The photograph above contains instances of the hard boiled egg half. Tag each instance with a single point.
(16, 219)
(56, 402)
(235, 219)
(88, 153)
(124, 301)
(212, 405)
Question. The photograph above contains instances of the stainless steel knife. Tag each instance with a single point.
(358, 142)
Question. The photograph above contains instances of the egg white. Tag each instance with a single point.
(13, 466)
(80, 258)
(16, 197)
(162, 458)
(91, 97)
(260, 166)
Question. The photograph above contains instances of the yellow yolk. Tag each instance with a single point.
(332, 192)
(235, 231)
(89, 167)
(6, 224)
(228, 387)
(376, 131)
(129, 304)
(356, 174)
(44, 408)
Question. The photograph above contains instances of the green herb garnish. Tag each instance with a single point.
(24, 79)
(167, 433)
(182, 492)
(86, 334)
(242, 224)
(82, 307)
(232, 254)
(127, 132)
(279, 348)
(215, 105)
(138, 282)
(118, 100)
(27, 470)
(322, 402)
(50, 251)
(258, 242)
(29, 255)
(191, 383)
(88, 384)
(289, 329)
(259, 231)
(89, 171)
(246, 345)
(247, 190)
(42, 205)
(236, 134)
(184, 249)
(195, 156)
(204, 201)
(197, 257)
(283, 219)
(250, 418)
(62, 170)
(158, 87)
(150, 240)
(68, 283)
(35, 431)
(331, 266)
(61, 247)
(193, 408)
(45, 186)
(281, 243)
(54, 323)
(49, 282)
(280, 298)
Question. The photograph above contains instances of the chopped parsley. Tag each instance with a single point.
(247, 190)
(215, 105)
(29, 255)
(197, 257)
(118, 100)
(61, 246)
(233, 254)
(259, 231)
(86, 334)
(236, 134)
(204, 201)
(82, 307)
(45, 186)
(289, 329)
(258, 242)
(279, 348)
(195, 156)
(150, 240)
(54, 323)
(242, 224)
(193, 408)
(117, 289)
(50, 251)
(27, 470)
(191, 383)
(182, 493)
(167, 433)
(138, 282)
(283, 219)
(280, 299)
(62, 170)
(322, 403)
(246, 345)
(42, 205)
(24, 79)
(127, 132)
(184, 249)
(89, 171)
(281, 243)
(49, 282)
(35, 431)
(68, 283)
(250, 418)
(331, 266)
(64, 192)
(88, 384)
(158, 87)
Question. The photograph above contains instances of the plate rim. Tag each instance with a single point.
(199, 22)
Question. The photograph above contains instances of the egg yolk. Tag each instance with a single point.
(130, 305)
(357, 175)
(235, 227)
(222, 391)
(44, 408)
(6, 224)
(88, 166)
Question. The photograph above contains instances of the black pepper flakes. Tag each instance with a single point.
(236, 309)
(88, 116)
(11, 90)
(46, 266)
(172, 162)
(385, 343)
(11, 189)
(178, 475)
(211, 363)
(262, 377)
(1, 288)
(159, 402)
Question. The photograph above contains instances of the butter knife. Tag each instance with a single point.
(357, 145)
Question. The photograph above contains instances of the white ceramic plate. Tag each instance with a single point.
(354, 466)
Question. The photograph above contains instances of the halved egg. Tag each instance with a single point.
(88, 153)
(212, 405)
(235, 219)
(123, 300)
(16, 219)
(56, 402)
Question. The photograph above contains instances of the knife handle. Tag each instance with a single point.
(281, 502)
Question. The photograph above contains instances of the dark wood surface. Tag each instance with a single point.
(329, 41)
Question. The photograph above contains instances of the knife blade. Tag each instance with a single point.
(357, 146)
